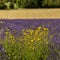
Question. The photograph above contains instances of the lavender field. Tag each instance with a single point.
(30, 39)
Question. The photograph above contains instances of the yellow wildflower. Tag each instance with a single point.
(46, 42)
(11, 36)
(28, 43)
(45, 29)
(39, 27)
(31, 32)
(24, 33)
(38, 39)
(36, 32)
(28, 30)
(32, 40)
(6, 33)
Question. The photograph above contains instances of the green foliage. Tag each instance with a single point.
(31, 45)
(2, 5)
(18, 2)
(11, 5)
(51, 3)
(27, 3)
(30, 4)
(33, 3)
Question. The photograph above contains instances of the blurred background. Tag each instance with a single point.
(15, 4)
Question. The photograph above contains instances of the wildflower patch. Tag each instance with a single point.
(36, 39)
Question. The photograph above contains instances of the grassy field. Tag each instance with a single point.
(30, 13)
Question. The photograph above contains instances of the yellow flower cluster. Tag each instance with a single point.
(9, 34)
(35, 36)
(30, 41)
(32, 36)
(45, 29)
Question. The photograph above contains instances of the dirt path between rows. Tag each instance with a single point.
(30, 14)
